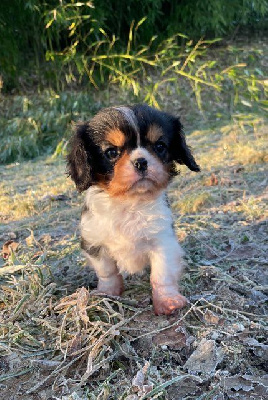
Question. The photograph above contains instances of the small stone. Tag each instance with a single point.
(214, 335)
(239, 327)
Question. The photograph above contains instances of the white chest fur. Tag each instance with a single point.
(128, 229)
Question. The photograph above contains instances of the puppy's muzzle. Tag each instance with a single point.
(140, 165)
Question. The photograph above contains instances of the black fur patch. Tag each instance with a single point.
(92, 251)
(167, 201)
(169, 206)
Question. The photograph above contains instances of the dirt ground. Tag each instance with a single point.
(59, 342)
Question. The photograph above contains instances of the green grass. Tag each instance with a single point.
(33, 125)
(55, 335)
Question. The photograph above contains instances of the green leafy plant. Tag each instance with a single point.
(31, 31)
(81, 54)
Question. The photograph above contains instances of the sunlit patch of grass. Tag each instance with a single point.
(194, 202)
(247, 154)
(246, 143)
(253, 208)
(231, 144)
(22, 206)
(31, 190)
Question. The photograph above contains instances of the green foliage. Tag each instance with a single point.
(22, 39)
(217, 17)
(79, 42)
(33, 30)
(38, 124)
(35, 125)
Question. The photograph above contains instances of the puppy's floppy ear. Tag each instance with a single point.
(79, 159)
(181, 153)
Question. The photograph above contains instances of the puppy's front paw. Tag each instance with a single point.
(167, 303)
(112, 286)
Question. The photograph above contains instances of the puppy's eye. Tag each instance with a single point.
(112, 153)
(160, 147)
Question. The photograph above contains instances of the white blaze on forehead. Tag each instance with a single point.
(131, 119)
(141, 152)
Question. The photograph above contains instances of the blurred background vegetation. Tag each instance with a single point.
(149, 48)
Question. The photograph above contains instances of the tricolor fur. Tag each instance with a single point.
(124, 158)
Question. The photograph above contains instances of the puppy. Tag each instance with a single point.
(124, 159)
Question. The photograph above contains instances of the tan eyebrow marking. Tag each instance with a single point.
(116, 137)
(154, 133)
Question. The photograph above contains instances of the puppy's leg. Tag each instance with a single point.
(110, 280)
(166, 267)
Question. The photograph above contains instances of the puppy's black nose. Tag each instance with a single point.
(141, 164)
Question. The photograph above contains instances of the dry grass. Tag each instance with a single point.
(59, 342)
(192, 203)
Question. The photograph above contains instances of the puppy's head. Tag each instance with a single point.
(128, 151)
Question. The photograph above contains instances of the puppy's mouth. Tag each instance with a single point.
(143, 184)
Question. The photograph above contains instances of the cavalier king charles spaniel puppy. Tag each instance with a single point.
(124, 158)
